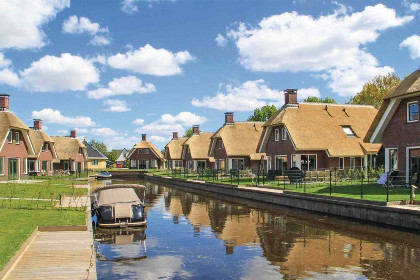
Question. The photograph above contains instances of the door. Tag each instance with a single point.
(281, 164)
(13, 169)
(79, 167)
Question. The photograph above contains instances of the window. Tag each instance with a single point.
(45, 147)
(281, 163)
(237, 163)
(276, 135)
(133, 163)
(308, 162)
(393, 159)
(10, 137)
(220, 144)
(1, 165)
(284, 133)
(352, 163)
(177, 164)
(349, 131)
(80, 151)
(25, 166)
(412, 111)
(17, 137)
(140, 151)
(146, 151)
(95, 162)
(153, 163)
(294, 161)
(44, 166)
(341, 163)
(32, 165)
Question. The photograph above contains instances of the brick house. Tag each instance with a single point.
(71, 153)
(235, 144)
(95, 159)
(144, 155)
(196, 149)
(42, 162)
(314, 136)
(397, 127)
(16, 145)
(173, 151)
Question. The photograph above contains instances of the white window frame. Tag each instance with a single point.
(2, 166)
(297, 162)
(344, 127)
(220, 144)
(17, 140)
(339, 163)
(408, 111)
(10, 137)
(140, 151)
(25, 166)
(275, 160)
(95, 162)
(133, 165)
(284, 133)
(46, 166)
(276, 135)
(146, 151)
(352, 163)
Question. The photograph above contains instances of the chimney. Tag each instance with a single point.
(37, 124)
(175, 135)
(73, 133)
(290, 96)
(229, 118)
(196, 129)
(4, 102)
(143, 137)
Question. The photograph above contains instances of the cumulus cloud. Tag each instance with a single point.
(130, 7)
(411, 6)
(116, 105)
(155, 138)
(122, 86)
(8, 77)
(333, 44)
(103, 131)
(4, 62)
(246, 97)
(221, 41)
(66, 72)
(118, 142)
(148, 60)
(98, 40)
(49, 115)
(75, 25)
(138, 121)
(412, 43)
(168, 123)
(304, 93)
(21, 22)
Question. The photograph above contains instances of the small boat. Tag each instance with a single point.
(103, 175)
(117, 206)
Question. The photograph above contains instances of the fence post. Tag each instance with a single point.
(52, 200)
(284, 180)
(361, 188)
(330, 182)
(258, 178)
(263, 177)
(231, 177)
(387, 187)
(239, 175)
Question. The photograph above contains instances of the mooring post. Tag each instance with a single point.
(330, 181)
(361, 188)
(387, 187)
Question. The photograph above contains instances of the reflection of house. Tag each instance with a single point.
(95, 159)
(16, 145)
(314, 136)
(397, 127)
(121, 157)
(173, 151)
(42, 161)
(234, 145)
(195, 150)
(145, 155)
(71, 153)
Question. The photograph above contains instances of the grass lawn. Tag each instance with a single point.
(16, 225)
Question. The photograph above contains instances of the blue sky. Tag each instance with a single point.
(116, 69)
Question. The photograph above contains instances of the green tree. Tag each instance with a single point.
(112, 156)
(100, 146)
(263, 114)
(374, 91)
(188, 133)
(314, 99)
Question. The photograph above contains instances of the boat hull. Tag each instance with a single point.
(122, 224)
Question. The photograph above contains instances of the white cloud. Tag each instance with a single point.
(4, 62)
(103, 131)
(168, 123)
(21, 22)
(160, 139)
(75, 25)
(246, 97)
(119, 142)
(9, 77)
(221, 40)
(98, 40)
(148, 60)
(412, 43)
(411, 6)
(116, 105)
(304, 93)
(49, 115)
(332, 44)
(138, 121)
(82, 130)
(52, 73)
(130, 7)
(63, 131)
(122, 86)
(161, 128)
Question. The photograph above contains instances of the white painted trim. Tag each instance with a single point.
(407, 111)
(265, 139)
(354, 165)
(407, 162)
(344, 163)
(389, 112)
(276, 131)
(2, 171)
(284, 133)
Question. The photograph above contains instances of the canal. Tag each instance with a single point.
(194, 235)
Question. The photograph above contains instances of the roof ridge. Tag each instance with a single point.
(333, 104)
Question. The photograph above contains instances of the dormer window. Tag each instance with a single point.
(348, 131)
(220, 144)
(276, 134)
(45, 147)
(80, 151)
(412, 111)
(17, 137)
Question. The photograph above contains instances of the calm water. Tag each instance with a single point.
(200, 236)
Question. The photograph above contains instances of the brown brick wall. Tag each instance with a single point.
(136, 156)
(13, 150)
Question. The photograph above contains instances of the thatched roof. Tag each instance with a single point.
(315, 126)
(67, 147)
(175, 147)
(199, 145)
(240, 138)
(38, 138)
(147, 145)
(9, 120)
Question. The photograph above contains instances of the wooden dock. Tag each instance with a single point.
(56, 255)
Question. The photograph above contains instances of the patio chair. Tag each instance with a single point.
(393, 176)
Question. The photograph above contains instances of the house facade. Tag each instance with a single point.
(71, 153)
(121, 157)
(173, 152)
(145, 155)
(235, 145)
(195, 150)
(316, 137)
(42, 162)
(397, 127)
(16, 145)
(95, 159)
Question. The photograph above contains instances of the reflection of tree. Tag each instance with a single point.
(186, 203)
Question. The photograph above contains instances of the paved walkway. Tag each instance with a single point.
(409, 207)
(57, 255)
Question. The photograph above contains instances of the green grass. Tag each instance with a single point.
(16, 225)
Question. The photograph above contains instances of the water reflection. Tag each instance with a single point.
(191, 235)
